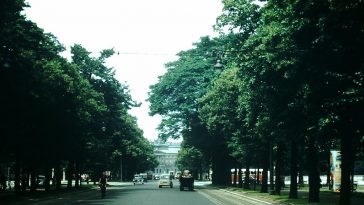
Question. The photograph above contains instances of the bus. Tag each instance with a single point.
(255, 174)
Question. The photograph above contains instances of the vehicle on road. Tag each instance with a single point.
(144, 176)
(138, 180)
(165, 180)
(186, 180)
(41, 180)
(178, 174)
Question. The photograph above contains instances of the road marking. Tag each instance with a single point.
(264, 202)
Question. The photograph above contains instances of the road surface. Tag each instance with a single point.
(150, 194)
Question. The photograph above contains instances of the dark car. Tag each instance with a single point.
(186, 180)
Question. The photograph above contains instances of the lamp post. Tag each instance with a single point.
(103, 128)
(121, 168)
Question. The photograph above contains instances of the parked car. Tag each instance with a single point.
(156, 177)
(165, 180)
(138, 180)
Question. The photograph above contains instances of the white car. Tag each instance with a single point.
(138, 180)
(165, 180)
(41, 180)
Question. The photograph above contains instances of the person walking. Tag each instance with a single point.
(102, 184)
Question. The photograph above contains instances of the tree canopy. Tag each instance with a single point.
(291, 89)
(61, 113)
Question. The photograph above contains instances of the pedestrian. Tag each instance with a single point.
(102, 184)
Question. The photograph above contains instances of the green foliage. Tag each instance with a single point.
(175, 97)
(187, 79)
(220, 118)
(293, 74)
(240, 15)
(216, 111)
(299, 70)
(190, 158)
(58, 111)
(121, 138)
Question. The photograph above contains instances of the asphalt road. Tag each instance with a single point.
(150, 194)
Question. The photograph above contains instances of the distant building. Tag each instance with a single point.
(166, 154)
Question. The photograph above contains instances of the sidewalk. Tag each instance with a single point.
(326, 197)
(118, 183)
(9, 197)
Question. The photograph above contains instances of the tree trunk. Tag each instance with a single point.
(70, 172)
(314, 175)
(293, 187)
(58, 175)
(17, 178)
(300, 166)
(328, 170)
(278, 172)
(256, 179)
(264, 187)
(201, 174)
(271, 168)
(221, 169)
(214, 170)
(240, 177)
(235, 177)
(24, 180)
(247, 173)
(77, 175)
(347, 161)
(48, 175)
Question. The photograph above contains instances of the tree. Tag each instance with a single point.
(298, 55)
(55, 111)
(175, 96)
(120, 140)
(190, 158)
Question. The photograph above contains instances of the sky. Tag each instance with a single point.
(146, 33)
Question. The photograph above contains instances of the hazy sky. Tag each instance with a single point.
(147, 33)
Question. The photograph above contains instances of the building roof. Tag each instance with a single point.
(168, 151)
(166, 148)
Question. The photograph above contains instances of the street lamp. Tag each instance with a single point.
(103, 129)
(218, 66)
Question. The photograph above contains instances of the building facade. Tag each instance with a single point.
(166, 154)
